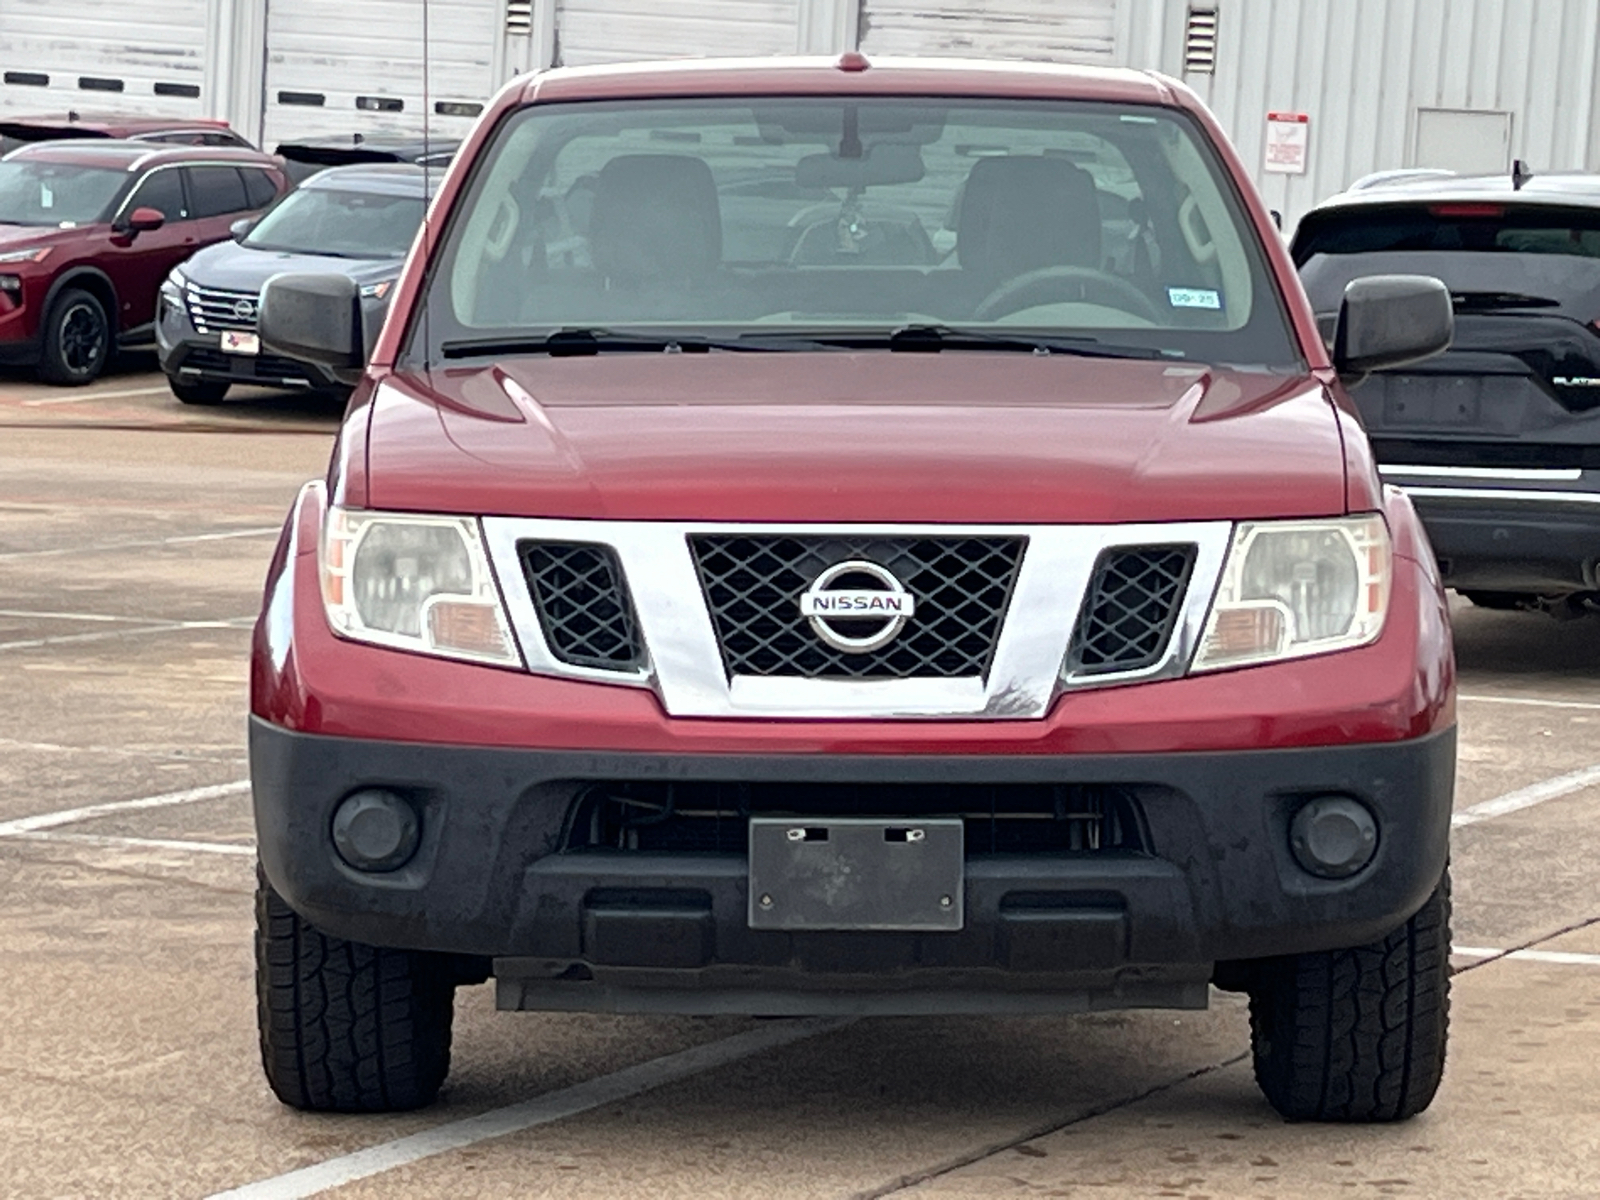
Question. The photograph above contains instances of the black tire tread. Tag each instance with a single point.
(204, 392)
(347, 1027)
(1357, 1035)
(51, 369)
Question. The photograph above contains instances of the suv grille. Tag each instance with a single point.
(213, 309)
(752, 585)
(583, 604)
(1133, 602)
(698, 817)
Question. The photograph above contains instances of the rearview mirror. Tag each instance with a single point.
(885, 163)
(1391, 320)
(315, 318)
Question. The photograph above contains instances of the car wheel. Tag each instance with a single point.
(197, 391)
(347, 1027)
(1356, 1035)
(76, 339)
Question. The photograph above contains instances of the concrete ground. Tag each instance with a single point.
(133, 538)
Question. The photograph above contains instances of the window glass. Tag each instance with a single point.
(347, 224)
(1102, 221)
(259, 188)
(1478, 227)
(59, 194)
(214, 191)
(162, 191)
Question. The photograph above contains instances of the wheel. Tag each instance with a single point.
(76, 339)
(347, 1027)
(199, 391)
(1502, 601)
(1356, 1035)
(1054, 285)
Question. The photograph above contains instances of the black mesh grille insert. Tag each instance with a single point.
(583, 604)
(1133, 602)
(753, 585)
(705, 817)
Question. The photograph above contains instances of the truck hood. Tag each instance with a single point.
(949, 437)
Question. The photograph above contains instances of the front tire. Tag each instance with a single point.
(76, 339)
(1356, 1035)
(198, 391)
(347, 1027)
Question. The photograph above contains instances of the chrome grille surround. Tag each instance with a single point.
(211, 310)
(683, 662)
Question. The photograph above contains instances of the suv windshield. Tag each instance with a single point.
(1106, 226)
(345, 224)
(59, 194)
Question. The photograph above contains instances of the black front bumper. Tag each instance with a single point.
(635, 931)
(199, 359)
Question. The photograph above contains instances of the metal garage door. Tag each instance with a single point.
(337, 67)
(592, 31)
(103, 54)
(1040, 30)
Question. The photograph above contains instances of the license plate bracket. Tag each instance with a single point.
(238, 342)
(843, 873)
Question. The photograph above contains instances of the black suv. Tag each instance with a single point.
(1498, 440)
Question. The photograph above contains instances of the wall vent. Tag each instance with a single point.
(1200, 40)
(519, 16)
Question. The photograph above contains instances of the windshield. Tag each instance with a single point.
(57, 194)
(1112, 225)
(345, 224)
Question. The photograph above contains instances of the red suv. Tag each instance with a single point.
(90, 228)
(852, 539)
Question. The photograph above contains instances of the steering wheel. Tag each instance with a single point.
(1058, 284)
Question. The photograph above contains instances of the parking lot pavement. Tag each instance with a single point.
(133, 538)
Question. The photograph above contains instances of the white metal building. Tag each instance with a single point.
(1363, 85)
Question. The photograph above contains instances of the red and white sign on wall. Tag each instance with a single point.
(1288, 136)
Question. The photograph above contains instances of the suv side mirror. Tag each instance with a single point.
(241, 227)
(1390, 321)
(142, 220)
(315, 318)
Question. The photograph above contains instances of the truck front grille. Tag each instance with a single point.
(214, 309)
(583, 604)
(753, 584)
(702, 817)
(1129, 612)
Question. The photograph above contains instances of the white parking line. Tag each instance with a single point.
(1532, 702)
(71, 816)
(80, 397)
(1527, 797)
(261, 531)
(137, 843)
(109, 634)
(1562, 958)
(541, 1110)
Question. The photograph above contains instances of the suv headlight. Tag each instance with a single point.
(419, 583)
(1293, 588)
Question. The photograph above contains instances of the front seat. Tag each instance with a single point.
(1020, 214)
(656, 222)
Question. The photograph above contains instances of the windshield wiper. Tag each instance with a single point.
(934, 338)
(564, 343)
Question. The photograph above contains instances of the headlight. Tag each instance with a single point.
(414, 583)
(1292, 588)
(38, 254)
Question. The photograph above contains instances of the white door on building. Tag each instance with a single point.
(1470, 142)
(103, 55)
(1037, 30)
(339, 67)
(594, 31)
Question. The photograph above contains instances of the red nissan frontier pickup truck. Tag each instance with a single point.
(844, 537)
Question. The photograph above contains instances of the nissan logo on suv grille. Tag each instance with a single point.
(857, 606)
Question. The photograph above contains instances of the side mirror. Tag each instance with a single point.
(315, 318)
(143, 220)
(241, 227)
(1390, 321)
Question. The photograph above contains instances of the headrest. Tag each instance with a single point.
(1022, 213)
(655, 219)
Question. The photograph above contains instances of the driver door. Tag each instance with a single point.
(138, 263)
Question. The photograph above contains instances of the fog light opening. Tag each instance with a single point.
(375, 830)
(1333, 837)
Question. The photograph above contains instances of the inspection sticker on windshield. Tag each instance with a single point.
(1194, 298)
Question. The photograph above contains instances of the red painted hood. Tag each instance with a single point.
(951, 437)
